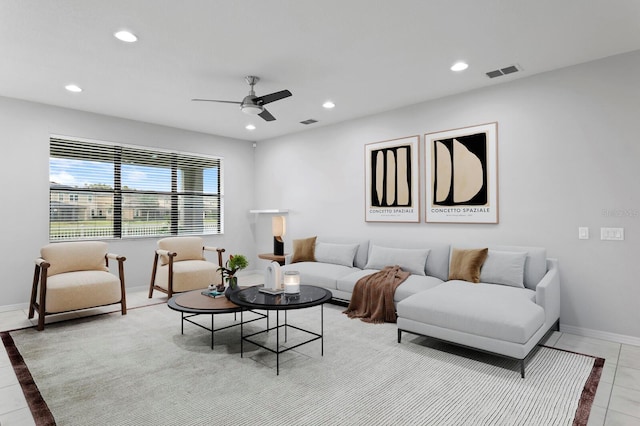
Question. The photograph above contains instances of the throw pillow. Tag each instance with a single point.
(410, 260)
(465, 264)
(339, 254)
(504, 267)
(303, 250)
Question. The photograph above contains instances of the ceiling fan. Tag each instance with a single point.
(252, 104)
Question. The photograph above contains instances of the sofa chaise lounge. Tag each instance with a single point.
(508, 312)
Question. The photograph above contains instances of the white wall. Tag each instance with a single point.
(24, 172)
(568, 147)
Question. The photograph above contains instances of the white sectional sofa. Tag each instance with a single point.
(516, 303)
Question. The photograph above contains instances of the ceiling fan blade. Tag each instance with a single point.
(272, 97)
(266, 115)
(215, 100)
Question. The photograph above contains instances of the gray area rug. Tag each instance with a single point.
(139, 370)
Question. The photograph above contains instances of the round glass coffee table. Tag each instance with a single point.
(253, 298)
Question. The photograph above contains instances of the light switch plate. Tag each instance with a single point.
(583, 233)
(612, 234)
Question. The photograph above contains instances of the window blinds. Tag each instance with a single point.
(103, 191)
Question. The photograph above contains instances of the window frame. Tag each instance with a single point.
(182, 216)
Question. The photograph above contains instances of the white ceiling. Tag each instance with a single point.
(368, 56)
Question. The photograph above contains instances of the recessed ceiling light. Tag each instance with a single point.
(250, 127)
(328, 105)
(73, 88)
(126, 36)
(459, 66)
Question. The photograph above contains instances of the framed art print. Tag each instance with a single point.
(462, 175)
(392, 191)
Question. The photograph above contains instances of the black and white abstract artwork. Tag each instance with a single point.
(462, 184)
(391, 184)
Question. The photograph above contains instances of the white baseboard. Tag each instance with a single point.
(16, 307)
(602, 335)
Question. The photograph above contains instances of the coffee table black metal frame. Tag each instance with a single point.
(188, 312)
(252, 298)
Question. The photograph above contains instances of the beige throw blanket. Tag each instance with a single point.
(372, 297)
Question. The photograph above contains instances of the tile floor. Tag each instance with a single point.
(617, 401)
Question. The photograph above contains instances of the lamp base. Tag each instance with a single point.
(278, 246)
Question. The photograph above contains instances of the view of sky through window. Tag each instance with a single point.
(83, 173)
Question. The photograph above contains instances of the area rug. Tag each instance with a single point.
(139, 369)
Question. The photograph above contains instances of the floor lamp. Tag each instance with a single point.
(278, 228)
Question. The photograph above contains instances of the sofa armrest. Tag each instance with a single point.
(548, 292)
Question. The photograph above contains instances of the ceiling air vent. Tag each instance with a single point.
(309, 121)
(503, 71)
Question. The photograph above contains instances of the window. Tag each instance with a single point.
(120, 191)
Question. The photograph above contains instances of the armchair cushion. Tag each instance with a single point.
(75, 256)
(81, 289)
(186, 248)
(188, 275)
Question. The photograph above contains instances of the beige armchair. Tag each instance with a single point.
(75, 275)
(179, 265)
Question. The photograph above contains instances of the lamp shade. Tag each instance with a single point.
(278, 226)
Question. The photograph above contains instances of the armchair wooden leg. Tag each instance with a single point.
(42, 304)
(153, 275)
(34, 291)
(170, 279)
(123, 292)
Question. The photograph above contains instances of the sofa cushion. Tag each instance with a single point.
(304, 250)
(504, 267)
(415, 284)
(535, 265)
(411, 286)
(410, 260)
(339, 254)
(75, 256)
(362, 253)
(489, 310)
(466, 264)
(320, 274)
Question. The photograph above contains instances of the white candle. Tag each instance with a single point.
(291, 282)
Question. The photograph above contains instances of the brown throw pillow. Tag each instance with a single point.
(466, 264)
(304, 250)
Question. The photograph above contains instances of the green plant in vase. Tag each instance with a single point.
(235, 263)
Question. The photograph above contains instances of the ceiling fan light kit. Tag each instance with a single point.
(252, 104)
(251, 109)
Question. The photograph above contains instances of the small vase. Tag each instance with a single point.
(232, 287)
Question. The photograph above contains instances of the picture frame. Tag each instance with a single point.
(392, 180)
(462, 175)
